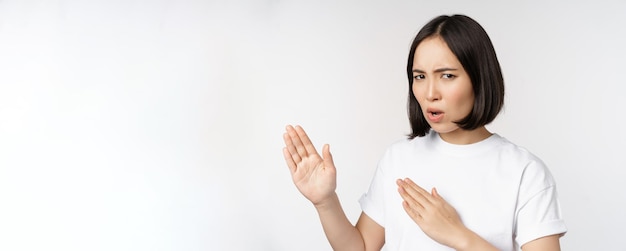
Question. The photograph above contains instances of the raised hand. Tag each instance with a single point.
(433, 214)
(314, 176)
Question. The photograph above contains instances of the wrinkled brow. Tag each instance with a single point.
(436, 71)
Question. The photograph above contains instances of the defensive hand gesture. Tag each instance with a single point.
(438, 219)
(314, 176)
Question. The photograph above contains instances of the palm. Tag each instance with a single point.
(313, 179)
(314, 176)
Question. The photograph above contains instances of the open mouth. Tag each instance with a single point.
(434, 115)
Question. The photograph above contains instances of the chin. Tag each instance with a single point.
(443, 129)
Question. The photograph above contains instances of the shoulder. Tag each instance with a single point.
(398, 148)
(535, 174)
(400, 152)
(406, 147)
(416, 143)
(514, 152)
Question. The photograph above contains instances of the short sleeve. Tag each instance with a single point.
(372, 202)
(538, 212)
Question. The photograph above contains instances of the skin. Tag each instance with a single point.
(315, 178)
(440, 83)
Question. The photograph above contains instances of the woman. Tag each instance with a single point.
(498, 196)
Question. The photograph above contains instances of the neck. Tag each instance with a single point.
(465, 137)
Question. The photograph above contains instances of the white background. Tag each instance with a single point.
(157, 125)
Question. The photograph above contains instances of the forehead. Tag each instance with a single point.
(434, 53)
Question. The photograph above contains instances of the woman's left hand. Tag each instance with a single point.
(432, 213)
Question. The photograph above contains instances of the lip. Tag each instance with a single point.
(434, 115)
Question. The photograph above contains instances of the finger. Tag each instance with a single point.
(290, 163)
(412, 212)
(305, 140)
(328, 158)
(297, 143)
(413, 191)
(421, 192)
(291, 148)
(437, 196)
(412, 198)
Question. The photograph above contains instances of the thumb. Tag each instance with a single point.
(435, 193)
(328, 158)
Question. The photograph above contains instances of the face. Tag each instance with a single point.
(442, 87)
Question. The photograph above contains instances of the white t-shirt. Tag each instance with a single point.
(501, 191)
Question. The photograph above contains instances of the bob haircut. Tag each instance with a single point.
(471, 45)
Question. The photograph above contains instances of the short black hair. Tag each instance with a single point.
(471, 45)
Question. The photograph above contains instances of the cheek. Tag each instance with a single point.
(464, 101)
(416, 93)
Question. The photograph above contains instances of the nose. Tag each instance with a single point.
(432, 91)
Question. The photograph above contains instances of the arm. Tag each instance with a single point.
(547, 243)
(342, 235)
(315, 178)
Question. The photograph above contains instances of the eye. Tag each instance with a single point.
(419, 76)
(447, 75)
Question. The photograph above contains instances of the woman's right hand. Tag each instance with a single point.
(314, 176)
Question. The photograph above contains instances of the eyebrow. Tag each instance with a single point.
(436, 71)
